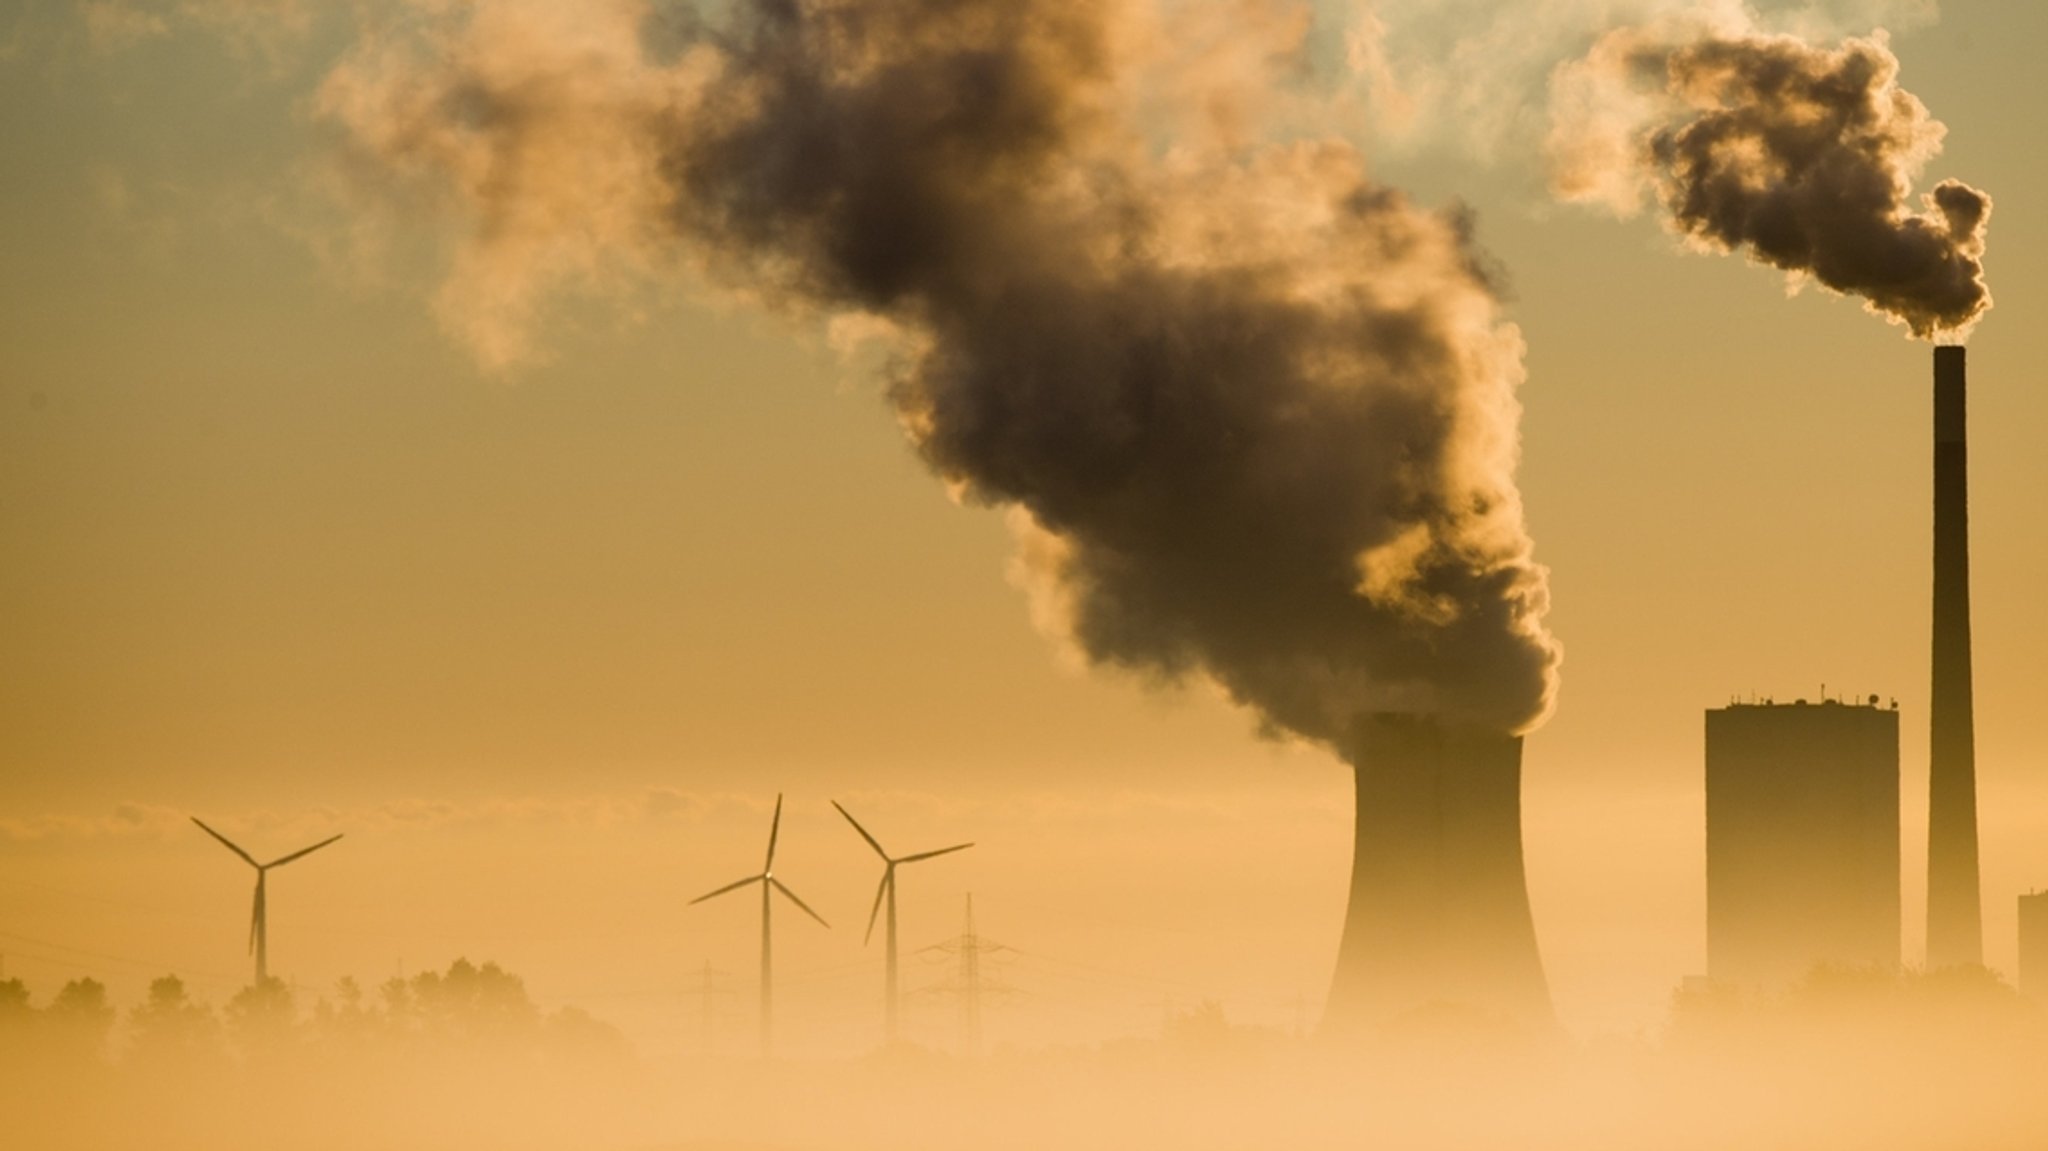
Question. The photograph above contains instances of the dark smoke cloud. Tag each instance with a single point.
(1252, 414)
(1803, 157)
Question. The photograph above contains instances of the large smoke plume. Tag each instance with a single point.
(1253, 414)
(1804, 157)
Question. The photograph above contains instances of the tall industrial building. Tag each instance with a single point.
(1955, 929)
(1439, 911)
(1802, 839)
(2034, 946)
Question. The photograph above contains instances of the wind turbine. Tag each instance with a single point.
(891, 987)
(769, 884)
(259, 923)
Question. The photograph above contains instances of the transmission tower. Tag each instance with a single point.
(712, 985)
(969, 983)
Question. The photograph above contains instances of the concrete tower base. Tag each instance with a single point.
(1439, 915)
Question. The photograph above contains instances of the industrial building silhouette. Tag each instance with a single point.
(1802, 839)
(2033, 965)
(1803, 799)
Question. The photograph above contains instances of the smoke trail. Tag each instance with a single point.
(1253, 414)
(1801, 156)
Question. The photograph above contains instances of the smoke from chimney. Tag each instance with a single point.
(1802, 157)
(1253, 412)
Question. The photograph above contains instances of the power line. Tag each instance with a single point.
(1041, 957)
(82, 897)
(106, 957)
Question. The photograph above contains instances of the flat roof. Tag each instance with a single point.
(1871, 704)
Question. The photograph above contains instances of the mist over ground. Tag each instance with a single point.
(460, 1058)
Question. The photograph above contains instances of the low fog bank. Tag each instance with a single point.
(1849, 1058)
(446, 1059)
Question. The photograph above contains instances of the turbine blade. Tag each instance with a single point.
(881, 889)
(932, 854)
(726, 888)
(800, 903)
(302, 851)
(774, 829)
(863, 832)
(226, 842)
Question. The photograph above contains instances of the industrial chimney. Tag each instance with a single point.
(1439, 913)
(1955, 933)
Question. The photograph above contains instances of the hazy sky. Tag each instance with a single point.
(545, 640)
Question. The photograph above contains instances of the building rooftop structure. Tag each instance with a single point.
(1802, 838)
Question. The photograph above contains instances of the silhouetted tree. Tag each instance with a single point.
(262, 1017)
(470, 1003)
(14, 1008)
(573, 1035)
(346, 1020)
(80, 1019)
(1200, 1027)
(170, 1027)
(17, 1022)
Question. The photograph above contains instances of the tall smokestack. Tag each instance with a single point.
(1439, 912)
(1955, 933)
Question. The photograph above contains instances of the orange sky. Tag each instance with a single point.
(281, 554)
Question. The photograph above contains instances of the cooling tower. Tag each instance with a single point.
(1955, 932)
(1439, 912)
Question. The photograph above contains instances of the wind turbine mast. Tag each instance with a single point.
(768, 883)
(259, 920)
(767, 944)
(886, 892)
